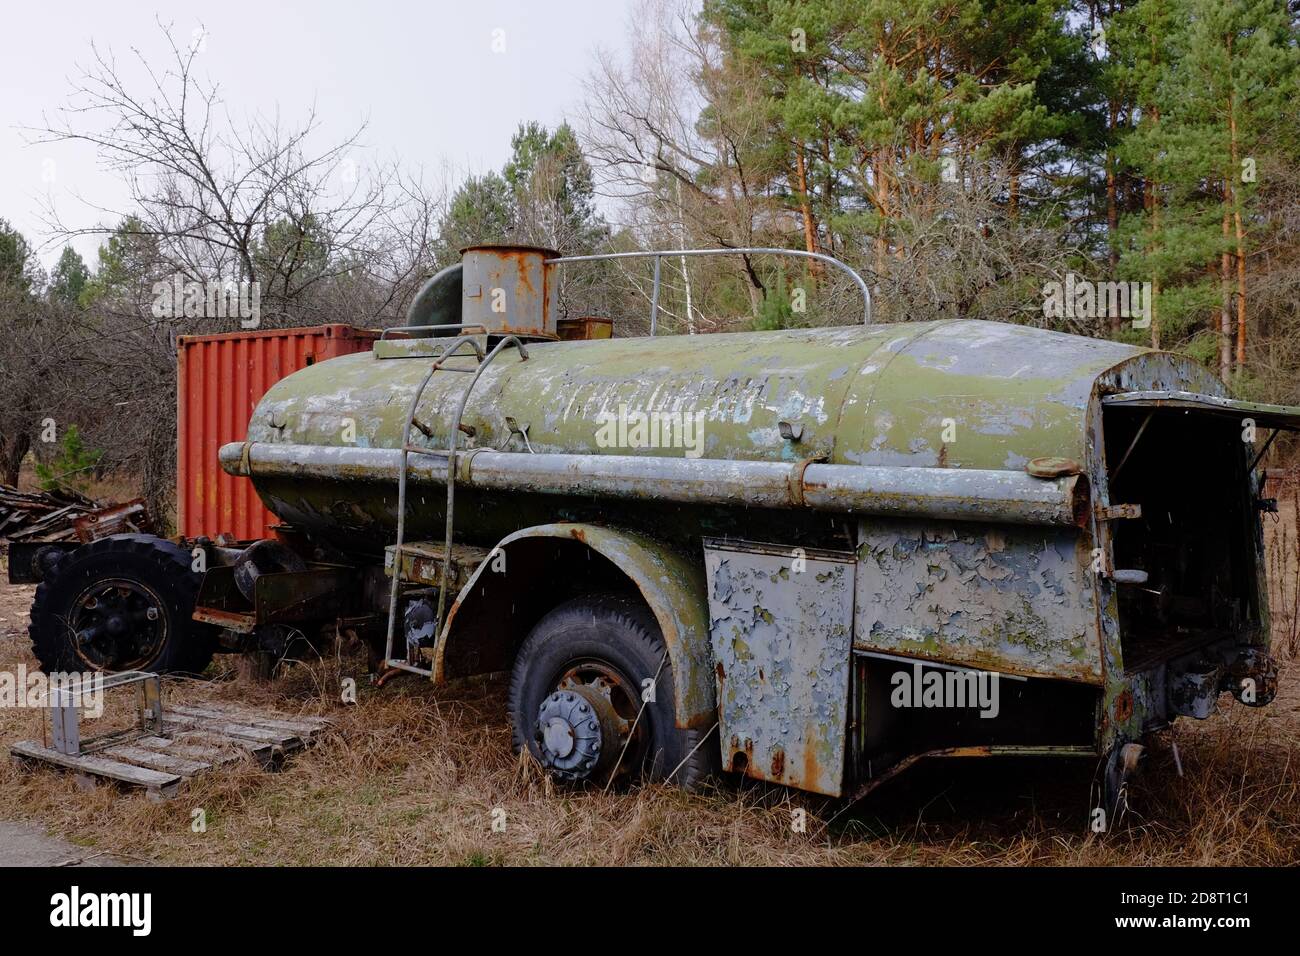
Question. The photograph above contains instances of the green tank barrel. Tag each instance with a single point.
(938, 419)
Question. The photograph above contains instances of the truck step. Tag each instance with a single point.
(422, 562)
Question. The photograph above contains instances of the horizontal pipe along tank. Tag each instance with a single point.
(932, 419)
(220, 379)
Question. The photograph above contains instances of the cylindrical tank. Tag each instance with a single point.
(977, 396)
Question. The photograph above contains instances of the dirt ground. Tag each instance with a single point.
(410, 775)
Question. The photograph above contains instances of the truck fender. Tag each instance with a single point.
(671, 585)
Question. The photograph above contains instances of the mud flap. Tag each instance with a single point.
(1121, 765)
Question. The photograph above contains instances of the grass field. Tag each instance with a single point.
(410, 775)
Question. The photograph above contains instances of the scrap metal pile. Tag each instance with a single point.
(49, 515)
(64, 516)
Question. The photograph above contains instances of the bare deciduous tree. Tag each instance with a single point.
(250, 201)
(683, 182)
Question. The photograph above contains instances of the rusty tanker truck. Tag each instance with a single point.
(809, 556)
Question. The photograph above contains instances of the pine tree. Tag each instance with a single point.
(1219, 80)
(72, 467)
(16, 260)
(129, 262)
(481, 211)
(869, 101)
(68, 281)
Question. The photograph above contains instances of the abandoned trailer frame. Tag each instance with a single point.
(954, 497)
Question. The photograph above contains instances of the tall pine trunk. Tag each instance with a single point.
(1240, 232)
(1112, 207)
(1153, 193)
(1225, 287)
(805, 208)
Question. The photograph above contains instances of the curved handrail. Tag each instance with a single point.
(658, 255)
(482, 329)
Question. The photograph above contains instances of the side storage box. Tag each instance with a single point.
(781, 626)
(220, 379)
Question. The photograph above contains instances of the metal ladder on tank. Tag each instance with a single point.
(483, 360)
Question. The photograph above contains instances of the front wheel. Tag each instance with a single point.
(591, 697)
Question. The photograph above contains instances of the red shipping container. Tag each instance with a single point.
(219, 381)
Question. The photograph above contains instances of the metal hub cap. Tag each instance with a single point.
(117, 624)
(558, 736)
(570, 733)
(587, 728)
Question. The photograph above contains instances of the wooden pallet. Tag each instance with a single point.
(194, 739)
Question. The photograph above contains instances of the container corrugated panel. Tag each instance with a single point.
(220, 379)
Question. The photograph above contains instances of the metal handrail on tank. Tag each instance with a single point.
(659, 254)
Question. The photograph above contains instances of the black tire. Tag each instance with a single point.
(151, 627)
(618, 633)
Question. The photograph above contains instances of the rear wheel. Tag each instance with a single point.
(578, 698)
(121, 603)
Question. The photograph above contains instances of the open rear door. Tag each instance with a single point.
(1186, 461)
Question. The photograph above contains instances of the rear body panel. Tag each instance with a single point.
(1014, 600)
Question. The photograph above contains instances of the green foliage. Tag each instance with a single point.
(127, 261)
(1214, 83)
(558, 158)
(291, 254)
(68, 281)
(72, 466)
(16, 261)
(775, 311)
(481, 211)
(545, 194)
(847, 82)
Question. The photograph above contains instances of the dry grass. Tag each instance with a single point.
(412, 776)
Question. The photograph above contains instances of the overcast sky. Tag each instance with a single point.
(423, 74)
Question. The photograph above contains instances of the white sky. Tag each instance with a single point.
(423, 74)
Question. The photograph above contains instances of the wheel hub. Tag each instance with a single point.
(559, 736)
(117, 624)
(578, 733)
